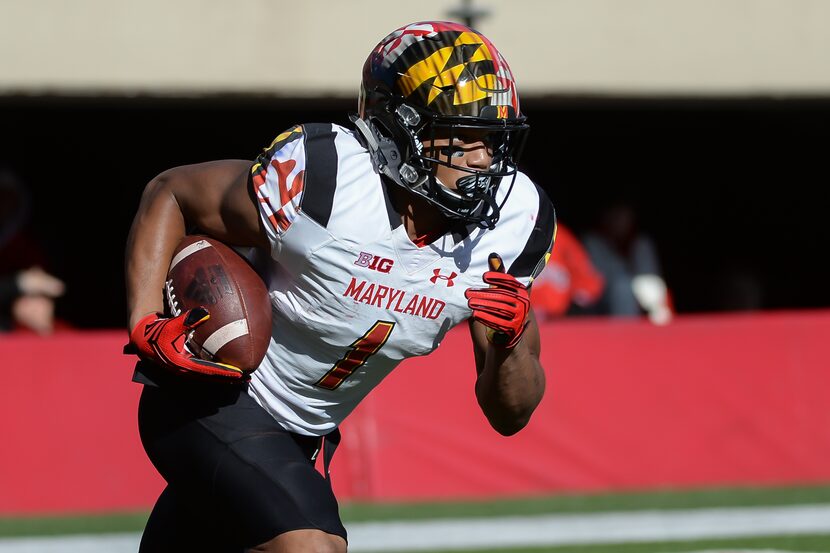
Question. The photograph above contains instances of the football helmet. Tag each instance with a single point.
(442, 80)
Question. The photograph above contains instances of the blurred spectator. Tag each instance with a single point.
(569, 279)
(27, 292)
(627, 258)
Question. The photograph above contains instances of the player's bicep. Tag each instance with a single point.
(216, 197)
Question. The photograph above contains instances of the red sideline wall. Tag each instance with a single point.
(707, 400)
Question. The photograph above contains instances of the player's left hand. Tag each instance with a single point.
(503, 307)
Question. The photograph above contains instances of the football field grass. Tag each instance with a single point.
(667, 500)
(598, 506)
(805, 544)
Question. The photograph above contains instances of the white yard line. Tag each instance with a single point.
(505, 532)
(574, 529)
(93, 543)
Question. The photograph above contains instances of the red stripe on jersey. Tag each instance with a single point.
(287, 193)
(359, 352)
(279, 220)
(259, 178)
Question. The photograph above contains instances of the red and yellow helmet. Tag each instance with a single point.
(440, 77)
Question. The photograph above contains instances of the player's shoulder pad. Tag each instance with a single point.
(285, 137)
(539, 244)
(321, 171)
(297, 172)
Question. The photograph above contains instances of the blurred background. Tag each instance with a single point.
(709, 118)
(683, 143)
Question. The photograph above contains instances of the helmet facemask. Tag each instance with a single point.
(413, 165)
(473, 199)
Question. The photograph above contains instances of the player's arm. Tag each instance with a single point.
(506, 345)
(214, 197)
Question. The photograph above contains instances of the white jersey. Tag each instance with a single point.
(352, 295)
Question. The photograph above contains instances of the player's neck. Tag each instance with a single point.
(422, 221)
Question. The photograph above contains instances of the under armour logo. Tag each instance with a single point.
(436, 274)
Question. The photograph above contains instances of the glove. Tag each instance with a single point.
(503, 307)
(163, 340)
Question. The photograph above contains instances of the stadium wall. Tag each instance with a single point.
(316, 48)
(705, 401)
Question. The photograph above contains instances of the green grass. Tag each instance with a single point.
(359, 512)
(78, 524)
(665, 499)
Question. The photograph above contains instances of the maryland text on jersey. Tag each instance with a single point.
(392, 299)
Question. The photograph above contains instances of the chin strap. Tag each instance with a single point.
(490, 221)
(385, 155)
(487, 204)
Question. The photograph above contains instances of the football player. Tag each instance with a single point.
(378, 239)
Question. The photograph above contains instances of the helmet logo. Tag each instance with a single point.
(453, 68)
(403, 38)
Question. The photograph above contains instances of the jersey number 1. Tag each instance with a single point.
(359, 352)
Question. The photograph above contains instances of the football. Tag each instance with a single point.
(205, 272)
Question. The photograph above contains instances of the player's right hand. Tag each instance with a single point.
(503, 307)
(162, 341)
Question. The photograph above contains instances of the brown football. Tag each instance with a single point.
(205, 272)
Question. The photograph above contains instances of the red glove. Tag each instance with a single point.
(503, 307)
(163, 340)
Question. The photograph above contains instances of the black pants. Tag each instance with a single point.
(235, 478)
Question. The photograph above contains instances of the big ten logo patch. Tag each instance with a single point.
(208, 285)
(374, 262)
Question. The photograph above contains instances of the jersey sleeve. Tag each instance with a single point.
(278, 179)
(537, 249)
